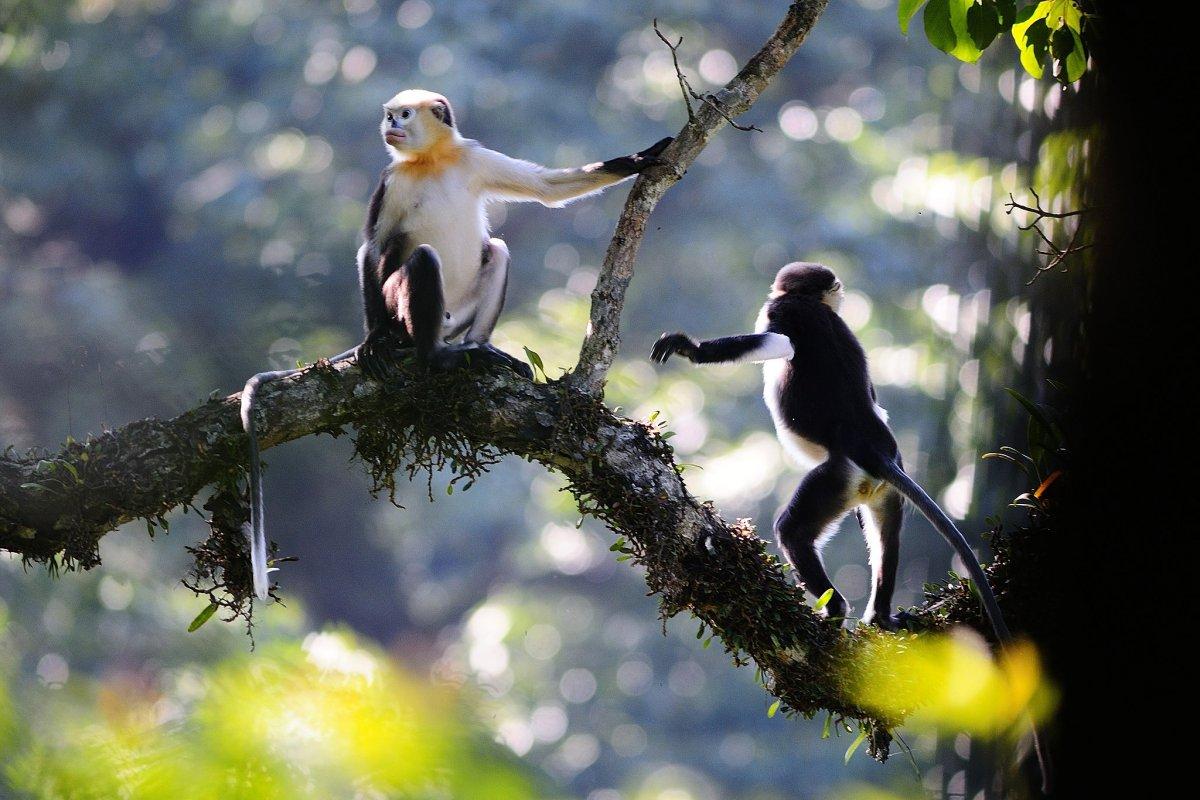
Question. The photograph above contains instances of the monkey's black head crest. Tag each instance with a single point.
(804, 278)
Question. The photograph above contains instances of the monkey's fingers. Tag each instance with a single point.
(652, 152)
(671, 343)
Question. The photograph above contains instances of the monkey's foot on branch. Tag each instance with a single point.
(473, 355)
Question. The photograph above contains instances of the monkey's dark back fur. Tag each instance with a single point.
(833, 401)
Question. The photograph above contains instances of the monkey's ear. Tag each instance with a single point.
(442, 112)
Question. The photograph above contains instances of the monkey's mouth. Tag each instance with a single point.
(394, 137)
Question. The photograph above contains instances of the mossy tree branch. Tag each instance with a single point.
(60, 505)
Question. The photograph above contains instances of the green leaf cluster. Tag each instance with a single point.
(1052, 30)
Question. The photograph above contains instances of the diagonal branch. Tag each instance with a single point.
(603, 336)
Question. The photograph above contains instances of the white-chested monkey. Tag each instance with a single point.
(431, 278)
(429, 274)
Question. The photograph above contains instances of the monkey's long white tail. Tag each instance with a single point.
(255, 530)
(950, 532)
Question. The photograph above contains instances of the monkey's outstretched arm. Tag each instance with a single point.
(505, 178)
(725, 350)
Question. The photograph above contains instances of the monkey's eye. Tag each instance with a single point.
(390, 117)
(405, 113)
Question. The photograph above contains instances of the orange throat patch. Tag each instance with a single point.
(431, 161)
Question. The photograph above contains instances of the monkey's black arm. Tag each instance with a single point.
(724, 350)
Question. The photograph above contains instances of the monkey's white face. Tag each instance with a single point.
(834, 297)
(414, 121)
(402, 129)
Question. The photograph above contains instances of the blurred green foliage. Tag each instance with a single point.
(329, 717)
(181, 185)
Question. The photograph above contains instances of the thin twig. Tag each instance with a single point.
(690, 94)
(1013, 205)
(683, 84)
(1056, 255)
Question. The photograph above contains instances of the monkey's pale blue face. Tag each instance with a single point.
(401, 128)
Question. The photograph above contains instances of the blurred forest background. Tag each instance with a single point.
(181, 189)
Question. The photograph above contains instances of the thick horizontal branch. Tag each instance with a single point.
(608, 298)
(621, 471)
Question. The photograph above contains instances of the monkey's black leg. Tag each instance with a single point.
(819, 502)
(418, 301)
(881, 523)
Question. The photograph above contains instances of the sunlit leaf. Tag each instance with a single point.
(1075, 64)
(823, 600)
(536, 361)
(939, 28)
(773, 709)
(946, 28)
(203, 617)
(1032, 36)
(862, 734)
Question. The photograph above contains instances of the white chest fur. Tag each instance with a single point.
(805, 453)
(443, 212)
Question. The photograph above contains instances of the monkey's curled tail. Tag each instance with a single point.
(950, 532)
(255, 530)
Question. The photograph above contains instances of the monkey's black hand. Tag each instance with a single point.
(671, 343)
(632, 165)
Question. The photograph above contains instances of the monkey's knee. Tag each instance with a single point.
(424, 264)
(495, 252)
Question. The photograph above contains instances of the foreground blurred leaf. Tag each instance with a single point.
(953, 681)
(324, 718)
